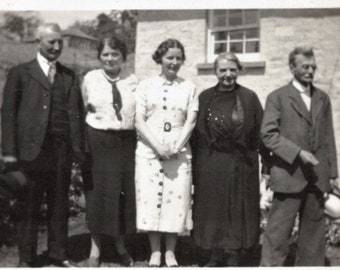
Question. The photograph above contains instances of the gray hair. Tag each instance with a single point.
(47, 28)
(229, 56)
(302, 50)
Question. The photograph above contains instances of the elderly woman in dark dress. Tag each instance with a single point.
(226, 166)
(109, 98)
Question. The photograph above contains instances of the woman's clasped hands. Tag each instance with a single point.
(167, 150)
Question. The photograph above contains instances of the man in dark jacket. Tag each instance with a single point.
(298, 129)
(42, 134)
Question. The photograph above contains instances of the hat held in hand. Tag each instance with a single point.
(13, 181)
(332, 206)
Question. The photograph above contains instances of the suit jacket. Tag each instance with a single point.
(287, 128)
(26, 108)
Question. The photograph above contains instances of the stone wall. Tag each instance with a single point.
(191, 33)
(281, 31)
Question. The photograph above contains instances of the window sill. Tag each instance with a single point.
(248, 67)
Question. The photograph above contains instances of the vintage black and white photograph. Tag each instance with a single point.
(169, 135)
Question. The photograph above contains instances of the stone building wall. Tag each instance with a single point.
(188, 27)
(280, 32)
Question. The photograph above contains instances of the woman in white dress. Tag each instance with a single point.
(166, 111)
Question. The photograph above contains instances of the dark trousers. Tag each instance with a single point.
(48, 174)
(311, 239)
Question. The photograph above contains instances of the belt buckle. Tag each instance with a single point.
(167, 126)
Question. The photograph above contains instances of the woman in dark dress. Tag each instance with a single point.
(109, 98)
(226, 145)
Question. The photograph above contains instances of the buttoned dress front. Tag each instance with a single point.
(163, 187)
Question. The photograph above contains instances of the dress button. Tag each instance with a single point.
(160, 183)
(45, 107)
(164, 98)
(45, 95)
(161, 170)
(164, 107)
(160, 193)
(158, 206)
(165, 90)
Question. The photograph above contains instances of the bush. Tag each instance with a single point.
(11, 209)
(332, 229)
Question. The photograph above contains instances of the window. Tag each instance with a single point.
(236, 31)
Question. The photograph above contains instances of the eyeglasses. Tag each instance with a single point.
(307, 67)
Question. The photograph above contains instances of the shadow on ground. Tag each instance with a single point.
(187, 253)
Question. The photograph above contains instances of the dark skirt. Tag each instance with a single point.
(226, 209)
(110, 202)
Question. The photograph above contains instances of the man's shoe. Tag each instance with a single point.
(59, 263)
(126, 260)
(23, 264)
(214, 263)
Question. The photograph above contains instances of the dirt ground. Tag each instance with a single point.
(187, 253)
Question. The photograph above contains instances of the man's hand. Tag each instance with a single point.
(308, 158)
(335, 186)
(11, 164)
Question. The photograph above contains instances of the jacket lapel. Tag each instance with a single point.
(35, 71)
(298, 104)
(204, 113)
(317, 103)
(67, 80)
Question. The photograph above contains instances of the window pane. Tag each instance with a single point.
(235, 11)
(235, 19)
(220, 21)
(250, 18)
(252, 46)
(220, 48)
(252, 33)
(219, 12)
(220, 36)
(236, 47)
(236, 35)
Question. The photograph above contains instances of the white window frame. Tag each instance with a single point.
(244, 57)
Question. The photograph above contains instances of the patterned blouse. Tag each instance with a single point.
(97, 92)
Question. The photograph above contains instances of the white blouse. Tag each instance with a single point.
(97, 92)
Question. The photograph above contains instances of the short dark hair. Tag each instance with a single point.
(164, 47)
(302, 50)
(114, 43)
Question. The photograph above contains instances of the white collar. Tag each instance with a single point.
(43, 61)
(300, 87)
(108, 78)
(164, 81)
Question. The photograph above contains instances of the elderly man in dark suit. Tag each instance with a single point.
(298, 129)
(42, 134)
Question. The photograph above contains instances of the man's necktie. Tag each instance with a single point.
(51, 72)
(117, 100)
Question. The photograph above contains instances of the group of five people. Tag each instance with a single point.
(150, 142)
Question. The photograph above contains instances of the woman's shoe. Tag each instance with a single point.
(155, 259)
(89, 262)
(126, 260)
(170, 259)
